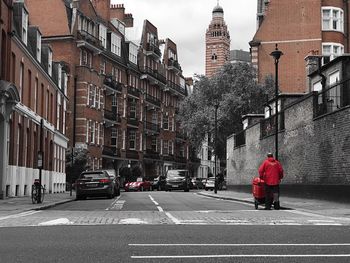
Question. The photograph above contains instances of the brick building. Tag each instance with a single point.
(38, 120)
(123, 94)
(217, 42)
(298, 27)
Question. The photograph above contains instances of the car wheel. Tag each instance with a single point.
(206, 189)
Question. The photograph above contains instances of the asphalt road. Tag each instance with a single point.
(171, 227)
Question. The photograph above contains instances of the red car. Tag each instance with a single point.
(140, 185)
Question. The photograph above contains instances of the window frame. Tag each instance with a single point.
(331, 19)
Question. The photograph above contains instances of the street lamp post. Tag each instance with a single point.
(276, 54)
(215, 145)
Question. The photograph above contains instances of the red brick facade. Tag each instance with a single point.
(297, 28)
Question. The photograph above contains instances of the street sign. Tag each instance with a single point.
(40, 160)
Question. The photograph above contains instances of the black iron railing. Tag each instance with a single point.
(111, 115)
(88, 37)
(174, 64)
(154, 73)
(110, 82)
(133, 121)
(153, 48)
(176, 87)
(112, 151)
(151, 126)
(153, 100)
(133, 91)
(332, 98)
(151, 154)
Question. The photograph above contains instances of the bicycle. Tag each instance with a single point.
(36, 189)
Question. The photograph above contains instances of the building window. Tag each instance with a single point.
(84, 58)
(154, 144)
(132, 140)
(24, 26)
(103, 36)
(92, 127)
(38, 46)
(165, 122)
(171, 148)
(102, 66)
(115, 100)
(50, 63)
(132, 110)
(165, 147)
(332, 18)
(331, 51)
(92, 95)
(133, 53)
(114, 136)
(116, 44)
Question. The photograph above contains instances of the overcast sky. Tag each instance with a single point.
(186, 21)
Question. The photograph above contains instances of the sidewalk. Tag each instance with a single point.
(323, 207)
(13, 205)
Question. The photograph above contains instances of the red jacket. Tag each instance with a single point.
(271, 171)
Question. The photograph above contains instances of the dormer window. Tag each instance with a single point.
(133, 53)
(38, 46)
(59, 76)
(103, 35)
(49, 68)
(24, 26)
(116, 44)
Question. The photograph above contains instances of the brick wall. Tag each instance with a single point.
(312, 151)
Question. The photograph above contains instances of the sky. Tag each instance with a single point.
(185, 22)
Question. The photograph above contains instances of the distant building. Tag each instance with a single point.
(217, 42)
(237, 56)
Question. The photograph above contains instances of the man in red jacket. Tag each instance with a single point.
(271, 172)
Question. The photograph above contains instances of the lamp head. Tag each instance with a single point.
(276, 54)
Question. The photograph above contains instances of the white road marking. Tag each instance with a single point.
(132, 221)
(152, 199)
(243, 245)
(172, 218)
(59, 221)
(192, 221)
(114, 204)
(246, 256)
(20, 215)
(160, 209)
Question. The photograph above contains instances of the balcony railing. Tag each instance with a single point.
(133, 121)
(267, 126)
(112, 116)
(111, 83)
(332, 98)
(154, 73)
(88, 37)
(174, 65)
(133, 91)
(151, 154)
(153, 100)
(151, 126)
(180, 135)
(153, 49)
(173, 86)
(112, 151)
(132, 154)
(180, 159)
(168, 158)
(239, 138)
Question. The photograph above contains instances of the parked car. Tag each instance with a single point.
(209, 184)
(140, 185)
(178, 180)
(158, 183)
(197, 183)
(116, 179)
(95, 183)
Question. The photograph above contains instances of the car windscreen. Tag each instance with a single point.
(172, 174)
(92, 175)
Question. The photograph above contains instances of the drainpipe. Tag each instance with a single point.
(74, 127)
